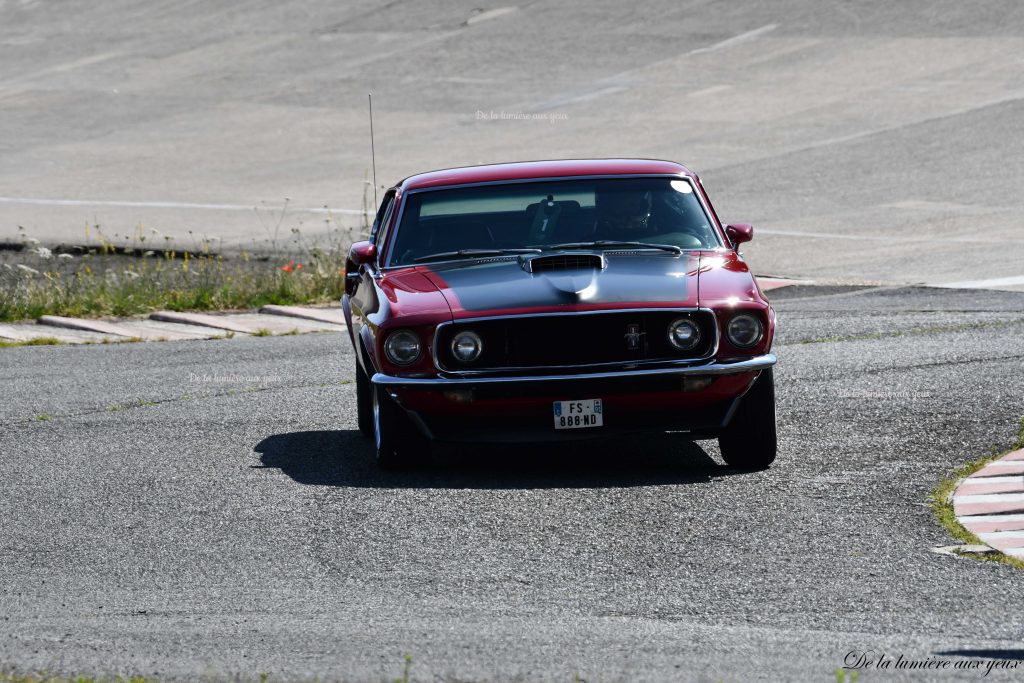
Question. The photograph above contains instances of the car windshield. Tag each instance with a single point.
(470, 222)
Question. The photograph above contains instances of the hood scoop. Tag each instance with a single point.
(563, 261)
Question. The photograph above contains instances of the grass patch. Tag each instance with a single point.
(262, 332)
(939, 499)
(123, 275)
(142, 403)
(39, 341)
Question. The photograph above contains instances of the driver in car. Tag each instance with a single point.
(629, 217)
(624, 216)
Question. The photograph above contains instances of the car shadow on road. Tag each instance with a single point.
(345, 458)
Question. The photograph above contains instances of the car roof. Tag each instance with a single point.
(527, 170)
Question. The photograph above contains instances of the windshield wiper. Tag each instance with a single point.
(473, 253)
(613, 244)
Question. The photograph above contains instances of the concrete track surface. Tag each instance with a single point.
(207, 508)
(869, 141)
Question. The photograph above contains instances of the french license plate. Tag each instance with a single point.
(579, 414)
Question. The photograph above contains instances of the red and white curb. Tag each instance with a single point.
(174, 326)
(990, 504)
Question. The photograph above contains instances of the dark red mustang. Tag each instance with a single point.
(558, 300)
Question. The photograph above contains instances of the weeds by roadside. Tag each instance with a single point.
(46, 678)
(405, 670)
(146, 270)
(52, 341)
(39, 341)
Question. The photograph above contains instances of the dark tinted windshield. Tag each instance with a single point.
(542, 214)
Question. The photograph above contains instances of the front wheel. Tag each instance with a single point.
(364, 402)
(397, 442)
(749, 441)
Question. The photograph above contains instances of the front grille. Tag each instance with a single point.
(573, 340)
(544, 264)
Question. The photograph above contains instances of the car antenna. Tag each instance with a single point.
(373, 156)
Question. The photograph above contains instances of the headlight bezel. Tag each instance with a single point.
(742, 317)
(679, 322)
(454, 343)
(393, 338)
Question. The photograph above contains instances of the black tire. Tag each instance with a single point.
(749, 440)
(364, 402)
(397, 442)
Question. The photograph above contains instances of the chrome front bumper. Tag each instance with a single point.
(750, 365)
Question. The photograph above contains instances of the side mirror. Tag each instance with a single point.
(362, 253)
(739, 233)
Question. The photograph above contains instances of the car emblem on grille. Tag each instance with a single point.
(632, 336)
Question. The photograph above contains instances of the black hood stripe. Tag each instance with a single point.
(627, 279)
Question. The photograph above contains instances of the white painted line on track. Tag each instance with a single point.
(827, 235)
(117, 203)
(892, 239)
(985, 284)
(942, 207)
(490, 14)
(713, 90)
(623, 80)
(33, 201)
(968, 284)
(735, 40)
(853, 137)
(17, 83)
(583, 97)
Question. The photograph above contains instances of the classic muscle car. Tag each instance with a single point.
(557, 300)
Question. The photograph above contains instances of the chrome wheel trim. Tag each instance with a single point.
(376, 419)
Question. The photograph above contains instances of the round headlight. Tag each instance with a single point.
(683, 334)
(466, 346)
(744, 330)
(402, 347)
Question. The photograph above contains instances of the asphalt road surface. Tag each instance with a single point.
(188, 509)
(869, 141)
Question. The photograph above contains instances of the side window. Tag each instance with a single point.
(382, 214)
(383, 231)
